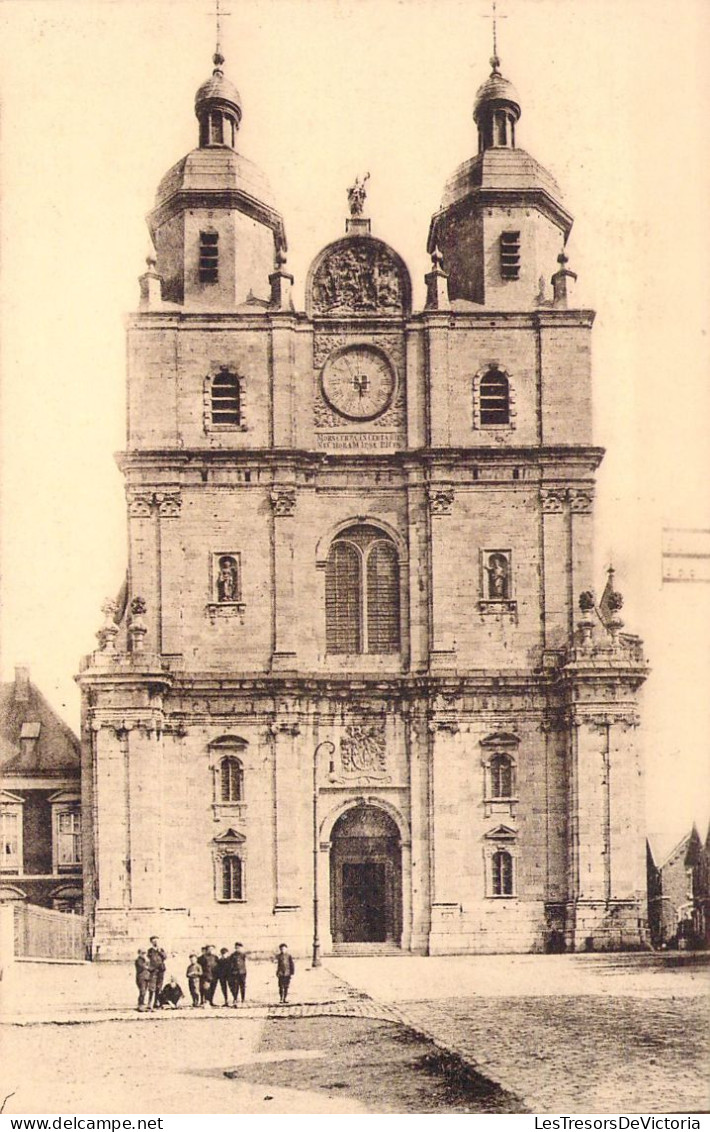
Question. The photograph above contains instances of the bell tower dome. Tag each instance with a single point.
(502, 224)
(215, 227)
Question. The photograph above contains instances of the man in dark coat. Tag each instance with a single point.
(156, 961)
(238, 972)
(222, 973)
(285, 970)
(208, 963)
(142, 978)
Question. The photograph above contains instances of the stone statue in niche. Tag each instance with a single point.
(498, 572)
(228, 579)
(359, 277)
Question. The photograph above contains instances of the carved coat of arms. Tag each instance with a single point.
(363, 750)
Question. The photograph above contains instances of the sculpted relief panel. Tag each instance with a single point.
(359, 277)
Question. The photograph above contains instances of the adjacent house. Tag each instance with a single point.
(679, 894)
(40, 801)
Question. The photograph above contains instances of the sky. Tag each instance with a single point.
(97, 103)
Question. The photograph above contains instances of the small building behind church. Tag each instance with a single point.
(40, 801)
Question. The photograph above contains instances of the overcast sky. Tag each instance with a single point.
(97, 103)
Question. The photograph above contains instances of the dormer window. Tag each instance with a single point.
(209, 257)
(510, 255)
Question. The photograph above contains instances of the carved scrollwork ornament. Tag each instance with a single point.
(552, 500)
(283, 501)
(441, 500)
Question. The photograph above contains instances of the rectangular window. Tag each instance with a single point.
(209, 257)
(10, 840)
(232, 878)
(68, 838)
(510, 255)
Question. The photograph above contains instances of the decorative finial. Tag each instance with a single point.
(151, 261)
(357, 195)
(437, 259)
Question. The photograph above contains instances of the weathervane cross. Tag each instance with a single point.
(218, 14)
(494, 16)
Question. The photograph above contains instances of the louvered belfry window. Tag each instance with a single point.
(362, 593)
(494, 398)
(232, 878)
(510, 255)
(209, 257)
(226, 407)
(231, 780)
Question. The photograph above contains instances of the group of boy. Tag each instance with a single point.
(205, 973)
(208, 971)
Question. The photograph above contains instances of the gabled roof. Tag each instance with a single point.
(33, 738)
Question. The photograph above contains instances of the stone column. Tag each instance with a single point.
(283, 501)
(441, 500)
(170, 569)
(289, 831)
(581, 505)
(143, 556)
(418, 764)
(282, 368)
(418, 576)
(437, 339)
(556, 569)
(145, 806)
(446, 832)
(111, 818)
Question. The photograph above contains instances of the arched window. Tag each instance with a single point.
(231, 779)
(362, 593)
(494, 398)
(502, 873)
(225, 398)
(501, 772)
(232, 877)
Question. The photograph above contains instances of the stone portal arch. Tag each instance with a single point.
(366, 877)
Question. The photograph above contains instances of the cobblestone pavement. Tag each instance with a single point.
(572, 1034)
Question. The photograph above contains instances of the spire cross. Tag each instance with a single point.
(219, 13)
(494, 16)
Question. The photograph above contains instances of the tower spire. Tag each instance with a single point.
(494, 17)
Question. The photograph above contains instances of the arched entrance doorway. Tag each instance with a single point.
(366, 878)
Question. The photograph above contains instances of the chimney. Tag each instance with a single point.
(22, 685)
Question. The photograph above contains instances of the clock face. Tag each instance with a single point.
(358, 382)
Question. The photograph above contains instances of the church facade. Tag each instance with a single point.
(358, 694)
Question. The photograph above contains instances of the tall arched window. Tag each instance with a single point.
(502, 873)
(225, 398)
(494, 398)
(231, 778)
(362, 593)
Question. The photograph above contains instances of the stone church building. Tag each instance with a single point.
(358, 693)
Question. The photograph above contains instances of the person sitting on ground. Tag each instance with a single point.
(171, 993)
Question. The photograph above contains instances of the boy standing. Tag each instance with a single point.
(222, 973)
(193, 975)
(238, 972)
(285, 970)
(142, 978)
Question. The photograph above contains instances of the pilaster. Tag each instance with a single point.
(283, 502)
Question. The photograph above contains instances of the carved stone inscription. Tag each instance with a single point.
(358, 278)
